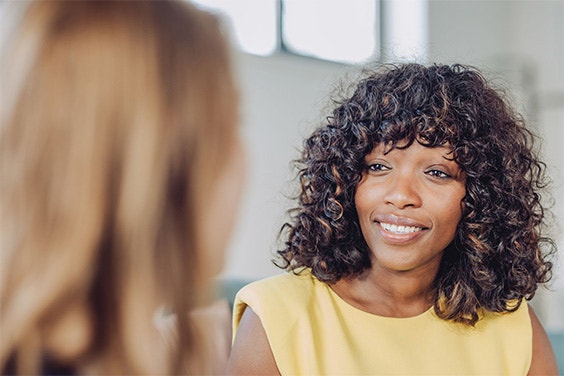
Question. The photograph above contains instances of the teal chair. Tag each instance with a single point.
(557, 340)
(228, 288)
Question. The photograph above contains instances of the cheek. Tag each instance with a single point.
(363, 199)
(453, 213)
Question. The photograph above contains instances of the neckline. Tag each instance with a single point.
(360, 312)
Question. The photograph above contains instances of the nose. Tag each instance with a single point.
(402, 191)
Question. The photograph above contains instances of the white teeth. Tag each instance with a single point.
(399, 229)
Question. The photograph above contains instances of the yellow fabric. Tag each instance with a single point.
(312, 331)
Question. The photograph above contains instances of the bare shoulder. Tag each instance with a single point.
(251, 353)
(543, 361)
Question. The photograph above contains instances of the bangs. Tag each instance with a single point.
(428, 131)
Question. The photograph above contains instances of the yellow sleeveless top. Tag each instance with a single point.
(312, 331)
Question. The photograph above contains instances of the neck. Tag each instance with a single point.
(389, 293)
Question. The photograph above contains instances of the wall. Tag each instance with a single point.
(282, 98)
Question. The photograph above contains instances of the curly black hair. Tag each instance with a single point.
(499, 255)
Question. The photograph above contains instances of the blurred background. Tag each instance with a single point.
(291, 54)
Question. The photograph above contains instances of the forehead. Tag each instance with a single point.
(390, 148)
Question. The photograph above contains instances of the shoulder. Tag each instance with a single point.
(251, 353)
(283, 298)
(523, 333)
(511, 328)
(284, 281)
(277, 304)
(285, 292)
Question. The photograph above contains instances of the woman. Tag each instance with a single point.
(121, 173)
(418, 235)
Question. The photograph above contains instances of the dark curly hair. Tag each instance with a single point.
(498, 256)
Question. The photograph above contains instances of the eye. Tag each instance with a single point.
(438, 174)
(377, 167)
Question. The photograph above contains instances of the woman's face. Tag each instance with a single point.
(409, 205)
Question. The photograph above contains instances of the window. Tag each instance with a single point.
(406, 29)
(337, 30)
(254, 22)
(345, 31)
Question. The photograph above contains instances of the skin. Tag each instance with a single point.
(543, 361)
(251, 353)
(417, 186)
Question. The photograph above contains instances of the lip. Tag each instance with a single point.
(399, 220)
(399, 239)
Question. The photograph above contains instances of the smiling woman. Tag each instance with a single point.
(408, 207)
(417, 239)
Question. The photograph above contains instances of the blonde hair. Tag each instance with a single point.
(113, 118)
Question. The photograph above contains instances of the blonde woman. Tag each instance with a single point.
(120, 176)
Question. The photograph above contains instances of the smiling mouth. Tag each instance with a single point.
(400, 230)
